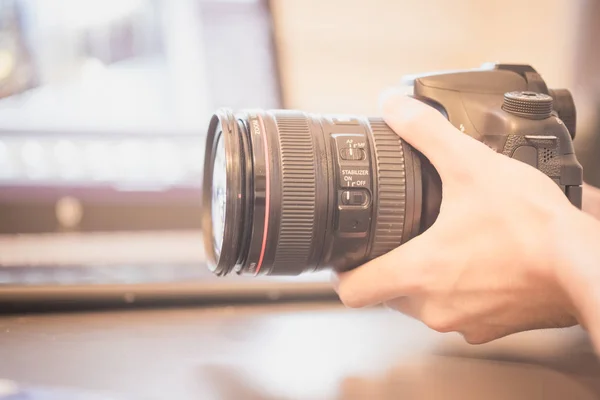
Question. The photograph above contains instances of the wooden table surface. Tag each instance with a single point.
(288, 351)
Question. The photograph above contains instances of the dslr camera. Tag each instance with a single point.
(287, 192)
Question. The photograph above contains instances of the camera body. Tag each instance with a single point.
(510, 108)
(288, 192)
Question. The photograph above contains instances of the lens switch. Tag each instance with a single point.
(354, 197)
(352, 154)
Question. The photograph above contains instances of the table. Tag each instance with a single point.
(288, 351)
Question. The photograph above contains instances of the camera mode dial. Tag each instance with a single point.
(530, 105)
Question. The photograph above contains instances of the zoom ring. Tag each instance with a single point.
(391, 189)
(298, 171)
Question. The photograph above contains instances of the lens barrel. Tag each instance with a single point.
(308, 192)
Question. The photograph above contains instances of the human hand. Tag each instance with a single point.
(591, 200)
(487, 267)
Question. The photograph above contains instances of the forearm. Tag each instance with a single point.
(578, 272)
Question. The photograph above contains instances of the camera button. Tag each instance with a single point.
(340, 120)
(526, 154)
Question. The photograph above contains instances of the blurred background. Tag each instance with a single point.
(104, 106)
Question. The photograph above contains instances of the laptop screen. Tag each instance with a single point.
(101, 154)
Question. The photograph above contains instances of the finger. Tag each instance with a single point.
(410, 306)
(403, 305)
(395, 274)
(430, 132)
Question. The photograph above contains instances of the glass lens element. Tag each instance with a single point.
(219, 196)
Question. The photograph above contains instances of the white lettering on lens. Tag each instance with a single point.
(355, 172)
(255, 127)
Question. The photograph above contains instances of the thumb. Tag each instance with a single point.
(426, 129)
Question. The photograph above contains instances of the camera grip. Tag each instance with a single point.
(547, 154)
(541, 152)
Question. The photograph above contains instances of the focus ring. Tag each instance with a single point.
(298, 192)
(391, 193)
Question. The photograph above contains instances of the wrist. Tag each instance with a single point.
(577, 265)
(591, 200)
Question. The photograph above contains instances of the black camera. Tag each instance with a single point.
(288, 192)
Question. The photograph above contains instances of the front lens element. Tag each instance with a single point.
(219, 196)
(223, 194)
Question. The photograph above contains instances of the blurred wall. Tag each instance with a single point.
(587, 89)
(337, 55)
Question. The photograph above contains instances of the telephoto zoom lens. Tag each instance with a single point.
(288, 192)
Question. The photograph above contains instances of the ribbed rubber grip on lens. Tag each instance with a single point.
(298, 171)
(391, 193)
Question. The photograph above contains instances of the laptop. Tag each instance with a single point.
(101, 176)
